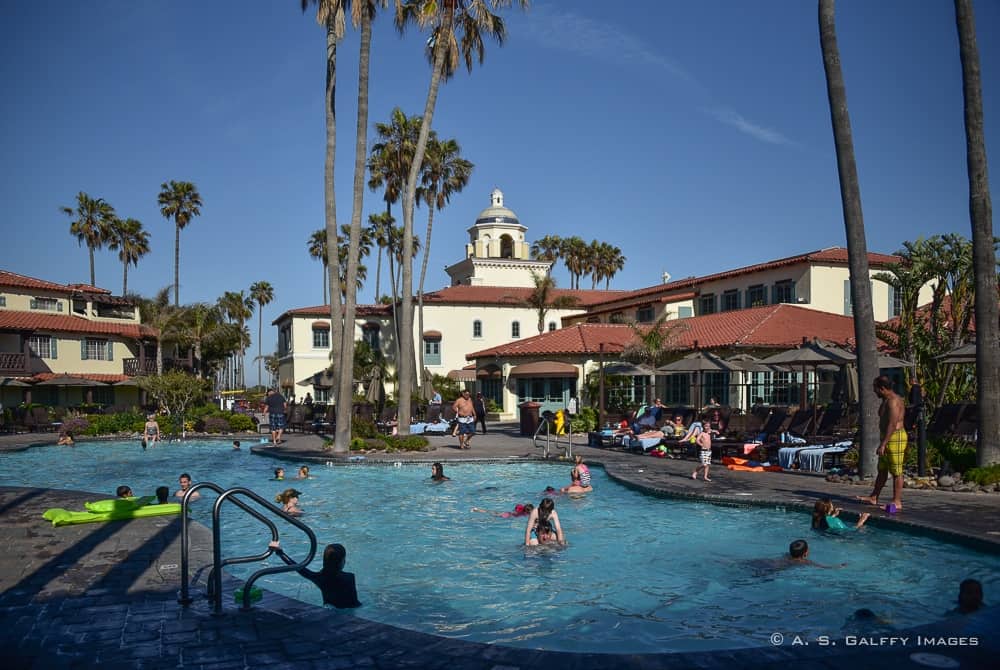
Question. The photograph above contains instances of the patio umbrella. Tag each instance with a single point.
(811, 354)
(628, 370)
(321, 379)
(375, 389)
(8, 381)
(963, 354)
(889, 362)
(66, 380)
(699, 362)
(427, 387)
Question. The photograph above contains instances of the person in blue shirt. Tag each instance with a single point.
(827, 517)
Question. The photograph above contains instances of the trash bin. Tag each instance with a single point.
(529, 417)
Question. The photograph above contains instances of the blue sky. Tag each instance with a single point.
(671, 127)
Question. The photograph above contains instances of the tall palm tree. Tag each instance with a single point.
(984, 256)
(445, 173)
(200, 324)
(317, 250)
(608, 261)
(378, 227)
(364, 250)
(160, 315)
(131, 242)
(575, 254)
(330, 15)
(543, 298)
(180, 201)
(238, 308)
(262, 293)
(854, 224)
(91, 224)
(472, 19)
(547, 248)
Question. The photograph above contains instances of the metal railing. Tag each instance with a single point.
(214, 583)
(545, 437)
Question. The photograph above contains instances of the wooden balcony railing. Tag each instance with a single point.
(131, 367)
(12, 364)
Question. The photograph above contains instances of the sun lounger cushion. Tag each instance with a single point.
(812, 459)
(744, 465)
(438, 428)
(417, 428)
(787, 455)
(646, 443)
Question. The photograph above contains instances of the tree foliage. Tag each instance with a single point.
(175, 391)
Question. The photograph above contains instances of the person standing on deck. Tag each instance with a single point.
(892, 448)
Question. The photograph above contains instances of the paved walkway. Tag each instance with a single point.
(105, 594)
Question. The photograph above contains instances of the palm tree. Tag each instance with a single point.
(608, 261)
(91, 225)
(317, 250)
(330, 15)
(984, 255)
(445, 173)
(262, 293)
(131, 242)
(378, 227)
(472, 19)
(543, 298)
(575, 254)
(906, 278)
(180, 201)
(548, 248)
(159, 314)
(388, 166)
(854, 224)
(200, 324)
(238, 308)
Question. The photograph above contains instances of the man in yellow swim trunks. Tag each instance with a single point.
(892, 449)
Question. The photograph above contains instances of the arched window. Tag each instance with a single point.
(477, 328)
(515, 329)
(506, 246)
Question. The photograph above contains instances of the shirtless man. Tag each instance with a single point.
(466, 413)
(892, 448)
(185, 481)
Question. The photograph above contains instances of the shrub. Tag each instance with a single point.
(110, 424)
(77, 425)
(983, 476)
(363, 428)
(403, 442)
(216, 424)
(357, 444)
(585, 421)
(959, 453)
(241, 423)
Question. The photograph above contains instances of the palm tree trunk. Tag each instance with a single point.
(93, 280)
(332, 243)
(196, 363)
(343, 435)
(983, 254)
(854, 224)
(177, 265)
(378, 268)
(260, 331)
(325, 272)
(125, 279)
(406, 362)
(420, 292)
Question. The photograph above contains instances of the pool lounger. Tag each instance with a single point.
(812, 459)
(65, 517)
(645, 443)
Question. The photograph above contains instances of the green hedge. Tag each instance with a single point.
(403, 442)
(112, 424)
(983, 476)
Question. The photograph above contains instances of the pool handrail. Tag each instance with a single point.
(215, 576)
(545, 423)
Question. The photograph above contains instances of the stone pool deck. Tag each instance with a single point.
(104, 595)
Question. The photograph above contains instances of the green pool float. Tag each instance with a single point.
(116, 509)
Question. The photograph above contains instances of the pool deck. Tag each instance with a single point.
(105, 594)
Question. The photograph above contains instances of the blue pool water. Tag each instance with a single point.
(640, 574)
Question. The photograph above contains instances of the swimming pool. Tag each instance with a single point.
(640, 575)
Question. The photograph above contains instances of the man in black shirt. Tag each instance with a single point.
(275, 408)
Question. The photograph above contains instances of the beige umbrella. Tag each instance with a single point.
(810, 354)
(8, 381)
(699, 362)
(963, 354)
(69, 380)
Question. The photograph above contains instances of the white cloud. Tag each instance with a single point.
(731, 118)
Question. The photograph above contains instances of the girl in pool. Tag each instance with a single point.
(151, 430)
(338, 587)
(437, 473)
(290, 499)
(279, 474)
(519, 510)
(827, 517)
(303, 473)
(543, 523)
(579, 478)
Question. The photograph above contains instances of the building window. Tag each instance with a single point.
(321, 394)
(3, 301)
(617, 317)
(644, 314)
(477, 328)
(756, 296)
(103, 395)
(96, 350)
(432, 352)
(895, 302)
(42, 346)
(370, 333)
(47, 304)
(515, 329)
(552, 326)
(730, 300)
(685, 311)
(321, 338)
(285, 340)
(784, 291)
(706, 304)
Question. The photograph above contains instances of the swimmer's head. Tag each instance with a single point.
(279, 473)
(184, 480)
(519, 509)
(123, 491)
(970, 595)
(550, 489)
(304, 471)
(162, 494)
(334, 557)
(528, 507)
(798, 549)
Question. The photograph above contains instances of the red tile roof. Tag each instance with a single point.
(832, 255)
(320, 311)
(512, 295)
(59, 323)
(15, 280)
(93, 376)
(772, 326)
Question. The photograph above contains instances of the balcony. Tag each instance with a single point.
(135, 367)
(13, 365)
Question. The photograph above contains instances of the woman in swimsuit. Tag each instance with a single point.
(290, 499)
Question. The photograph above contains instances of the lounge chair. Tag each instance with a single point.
(813, 457)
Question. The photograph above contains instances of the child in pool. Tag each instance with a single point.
(519, 510)
(303, 473)
(543, 524)
(279, 474)
(827, 517)
(437, 473)
(338, 587)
